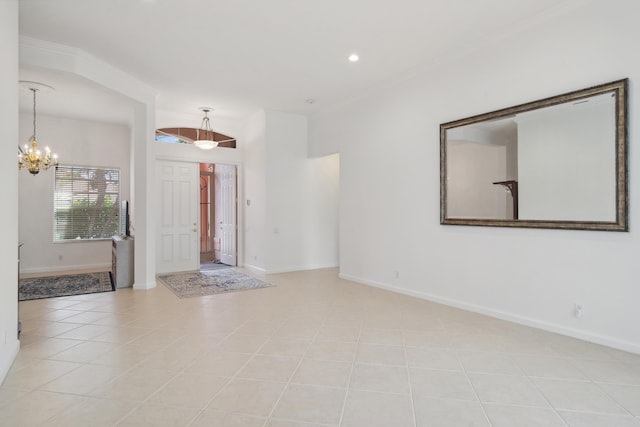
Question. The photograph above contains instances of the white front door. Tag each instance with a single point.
(177, 244)
(226, 174)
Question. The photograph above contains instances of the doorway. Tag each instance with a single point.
(218, 216)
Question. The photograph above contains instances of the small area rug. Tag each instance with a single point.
(64, 285)
(189, 284)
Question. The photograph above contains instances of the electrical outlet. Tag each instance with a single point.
(396, 274)
(578, 310)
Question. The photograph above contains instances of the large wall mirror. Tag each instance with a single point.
(559, 162)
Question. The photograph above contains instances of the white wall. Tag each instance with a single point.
(389, 196)
(291, 222)
(9, 343)
(255, 191)
(301, 199)
(323, 248)
(77, 143)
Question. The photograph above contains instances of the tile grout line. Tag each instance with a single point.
(473, 388)
(230, 379)
(313, 340)
(81, 364)
(614, 399)
(161, 387)
(533, 384)
(409, 382)
(353, 365)
(141, 364)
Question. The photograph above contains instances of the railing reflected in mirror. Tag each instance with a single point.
(559, 162)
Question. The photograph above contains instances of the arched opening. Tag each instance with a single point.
(189, 135)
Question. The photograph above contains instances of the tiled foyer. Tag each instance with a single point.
(313, 350)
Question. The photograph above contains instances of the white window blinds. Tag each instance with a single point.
(86, 203)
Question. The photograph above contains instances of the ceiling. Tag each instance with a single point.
(244, 55)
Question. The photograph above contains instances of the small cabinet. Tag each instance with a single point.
(122, 261)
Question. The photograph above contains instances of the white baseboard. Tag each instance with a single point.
(7, 356)
(144, 286)
(301, 268)
(65, 268)
(511, 317)
(254, 269)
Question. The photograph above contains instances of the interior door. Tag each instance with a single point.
(207, 220)
(177, 244)
(226, 174)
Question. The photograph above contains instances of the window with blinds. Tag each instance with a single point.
(86, 203)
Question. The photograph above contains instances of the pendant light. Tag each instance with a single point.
(30, 157)
(204, 134)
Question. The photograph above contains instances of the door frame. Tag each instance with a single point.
(212, 196)
(235, 210)
(240, 206)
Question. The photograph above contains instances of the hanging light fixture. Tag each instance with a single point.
(30, 157)
(204, 134)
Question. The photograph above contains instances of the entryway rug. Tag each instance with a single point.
(189, 284)
(64, 285)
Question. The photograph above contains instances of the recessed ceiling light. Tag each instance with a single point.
(310, 101)
(354, 57)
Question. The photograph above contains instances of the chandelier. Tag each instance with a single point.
(31, 158)
(204, 134)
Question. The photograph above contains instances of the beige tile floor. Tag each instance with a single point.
(312, 351)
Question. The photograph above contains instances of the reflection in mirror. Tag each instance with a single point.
(555, 163)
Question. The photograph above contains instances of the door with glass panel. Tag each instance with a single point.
(226, 218)
(207, 194)
(218, 218)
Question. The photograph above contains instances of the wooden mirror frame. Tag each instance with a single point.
(619, 89)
